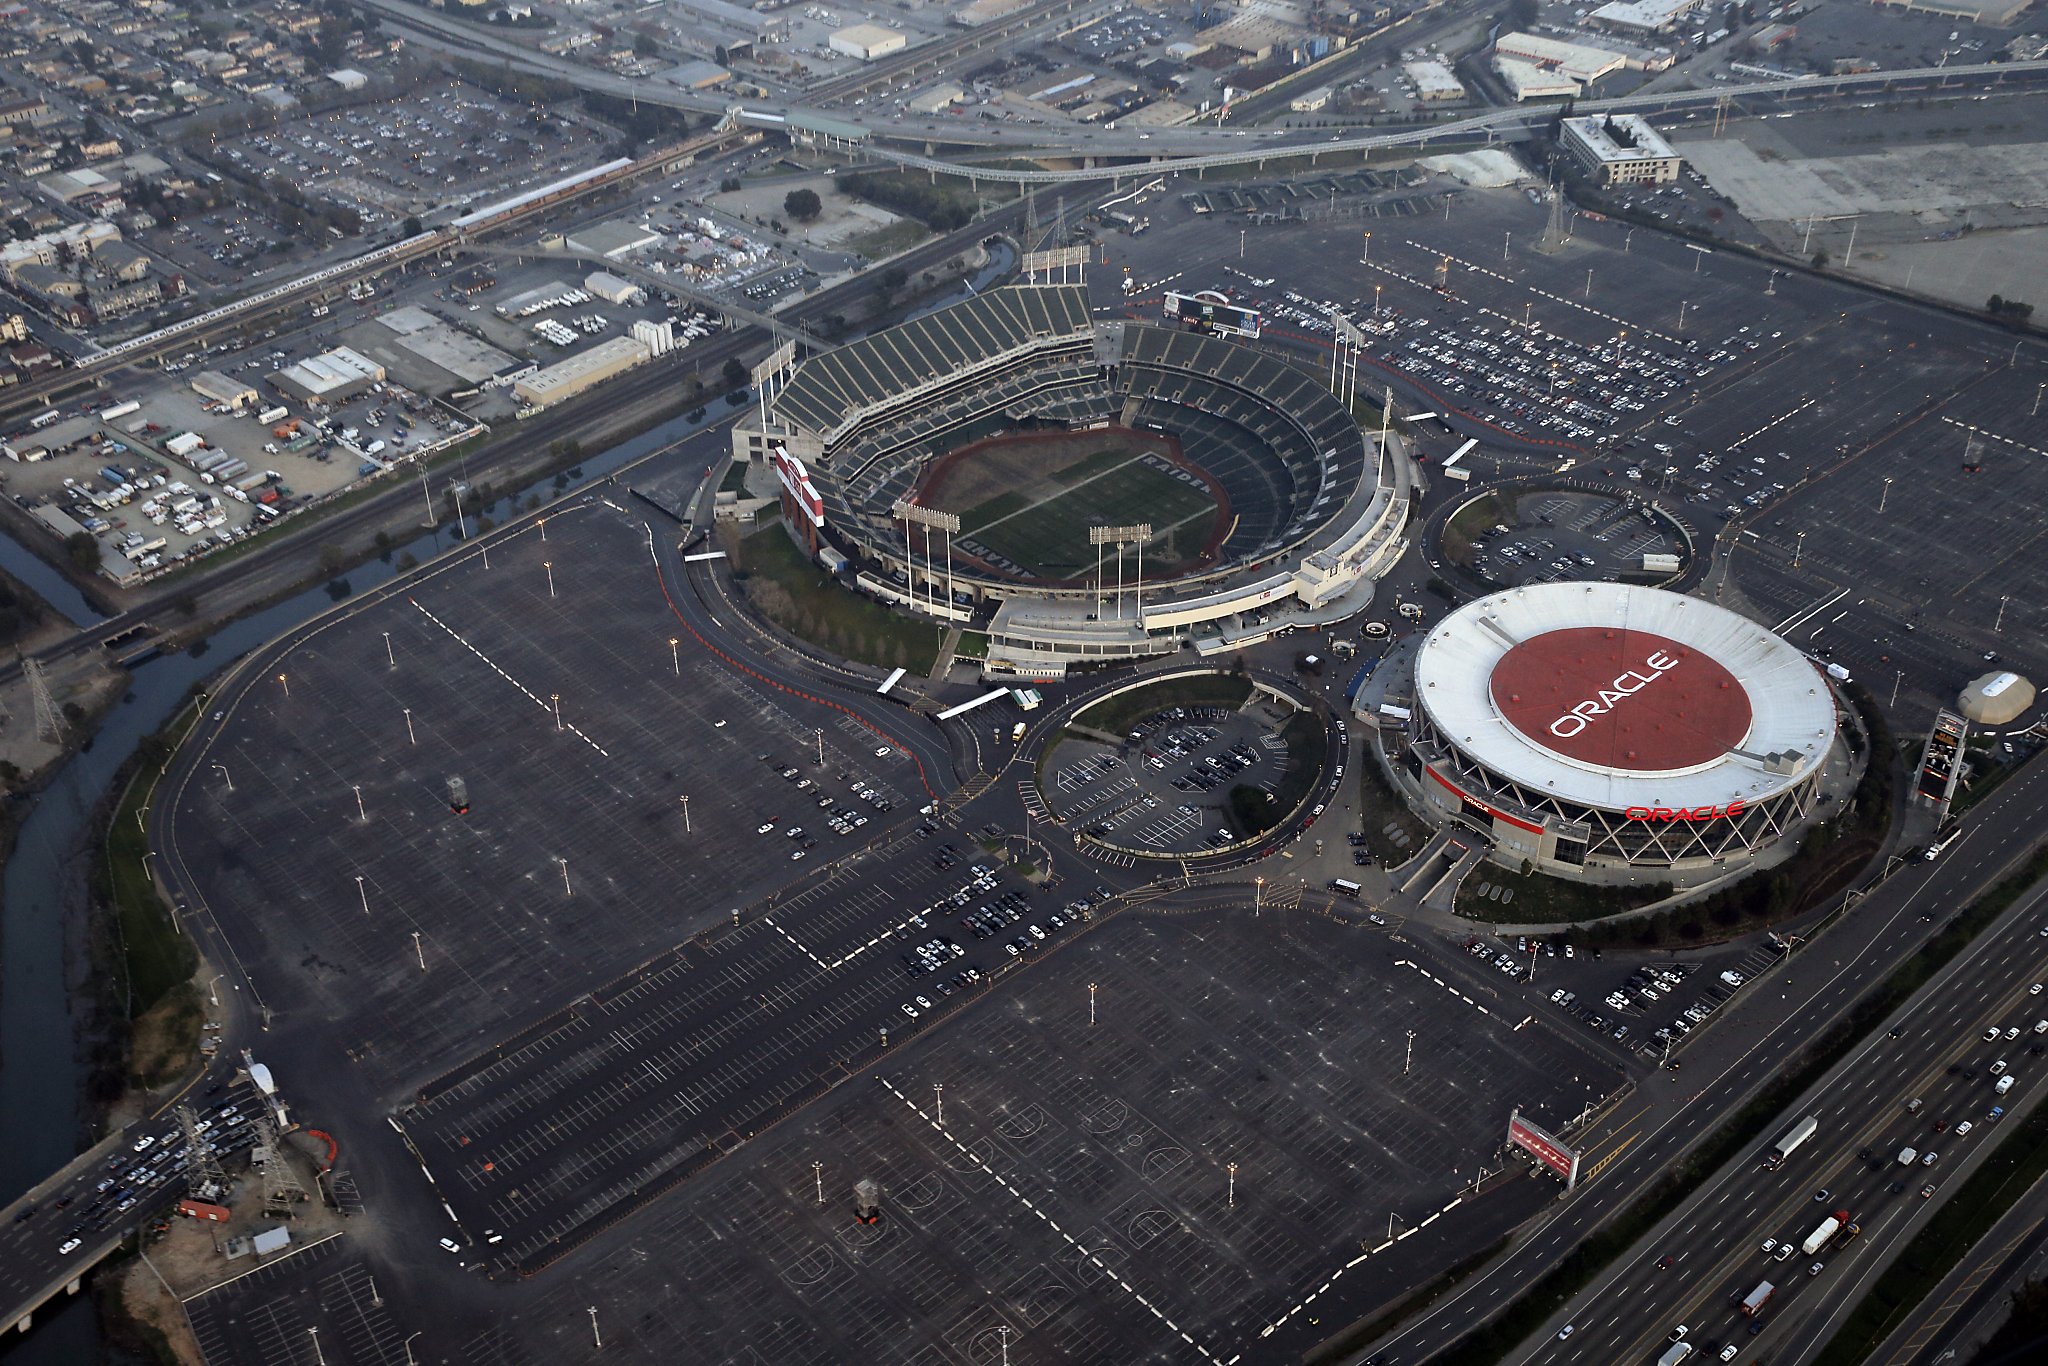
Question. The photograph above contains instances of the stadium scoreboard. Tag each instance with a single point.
(1212, 315)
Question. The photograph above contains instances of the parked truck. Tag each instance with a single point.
(270, 415)
(1818, 1239)
(1754, 1302)
(1789, 1141)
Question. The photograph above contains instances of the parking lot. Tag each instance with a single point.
(1070, 1179)
(1559, 535)
(1808, 385)
(323, 830)
(1167, 788)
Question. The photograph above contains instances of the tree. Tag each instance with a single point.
(733, 373)
(644, 45)
(411, 228)
(802, 205)
(83, 550)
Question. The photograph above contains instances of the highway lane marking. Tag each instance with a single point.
(1093, 1257)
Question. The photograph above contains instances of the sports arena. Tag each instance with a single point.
(1095, 490)
(1595, 729)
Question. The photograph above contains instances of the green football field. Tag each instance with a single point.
(1048, 535)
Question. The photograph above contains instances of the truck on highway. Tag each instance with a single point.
(1753, 1303)
(1789, 1141)
(1676, 1353)
(1818, 1239)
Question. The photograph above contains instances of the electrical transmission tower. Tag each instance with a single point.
(204, 1177)
(282, 1193)
(49, 725)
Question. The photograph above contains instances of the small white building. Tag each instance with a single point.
(867, 41)
(1642, 16)
(1433, 80)
(613, 290)
(348, 78)
(1308, 102)
(1621, 149)
(936, 100)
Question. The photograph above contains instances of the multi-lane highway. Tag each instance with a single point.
(1778, 1015)
(77, 1216)
(1924, 1086)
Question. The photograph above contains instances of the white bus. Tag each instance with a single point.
(1344, 886)
(42, 419)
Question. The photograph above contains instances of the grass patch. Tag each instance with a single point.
(1050, 538)
(805, 601)
(880, 243)
(1379, 806)
(163, 1040)
(1118, 714)
(1585, 1262)
(1490, 511)
(155, 957)
(972, 645)
(1544, 900)
(735, 480)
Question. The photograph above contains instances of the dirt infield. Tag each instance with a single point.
(1027, 499)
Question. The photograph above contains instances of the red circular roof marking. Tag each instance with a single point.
(1665, 706)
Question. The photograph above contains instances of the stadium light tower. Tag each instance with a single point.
(1120, 536)
(948, 524)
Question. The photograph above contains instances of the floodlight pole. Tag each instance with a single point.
(357, 788)
(1230, 1199)
(389, 657)
(567, 890)
(1885, 493)
(419, 952)
(1409, 1061)
(1091, 1004)
(364, 894)
(686, 815)
(818, 1178)
(675, 654)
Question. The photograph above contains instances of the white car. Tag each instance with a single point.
(67, 1247)
(883, 751)
(145, 1143)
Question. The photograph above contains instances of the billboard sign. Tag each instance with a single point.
(798, 491)
(1211, 311)
(1550, 1151)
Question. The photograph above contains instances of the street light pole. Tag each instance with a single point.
(1409, 1060)
(1798, 548)
(1884, 494)
(1898, 677)
(224, 776)
(1998, 626)
(549, 565)
(674, 655)
(1091, 1004)
(389, 657)
(595, 1336)
(419, 952)
(357, 788)
(286, 683)
(1258, 894)
(555, 700)
(408, 1349)
(567, 890)
(818, 1176)
(686, 815)
(363, 892)
(408, 727)
(939, 1102)
(1230, 1199)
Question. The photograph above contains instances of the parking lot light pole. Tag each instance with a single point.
(408, 727)
(363, 892)
(1998, 626)
(1884, 493)
(357, 788)
(389, 657)
(1258, 895)
(567, 890)
(1003, 1333)
(419, 952)
(543, 524)
(1366, 259)
(939, 1102)
(1589, 283)
(1230, 1198)
(1091, 1004)
(686, 815)
(2039, 390)
(318, 1358)
(674, 655)
(555, 700)
(1682, 305)
(1505, 239)
(818, 1178)
(1898, 677)
(1798, 548)
(595, 1336)
(409, 1361)
(1376, 290)
(213, 989)
(549, 565)
(224, 776)
(1409, 1061)
(1627, 238)
(286, 684)
(818, 734)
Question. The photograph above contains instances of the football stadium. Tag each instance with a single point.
(1600, 728)
(1093, 490)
